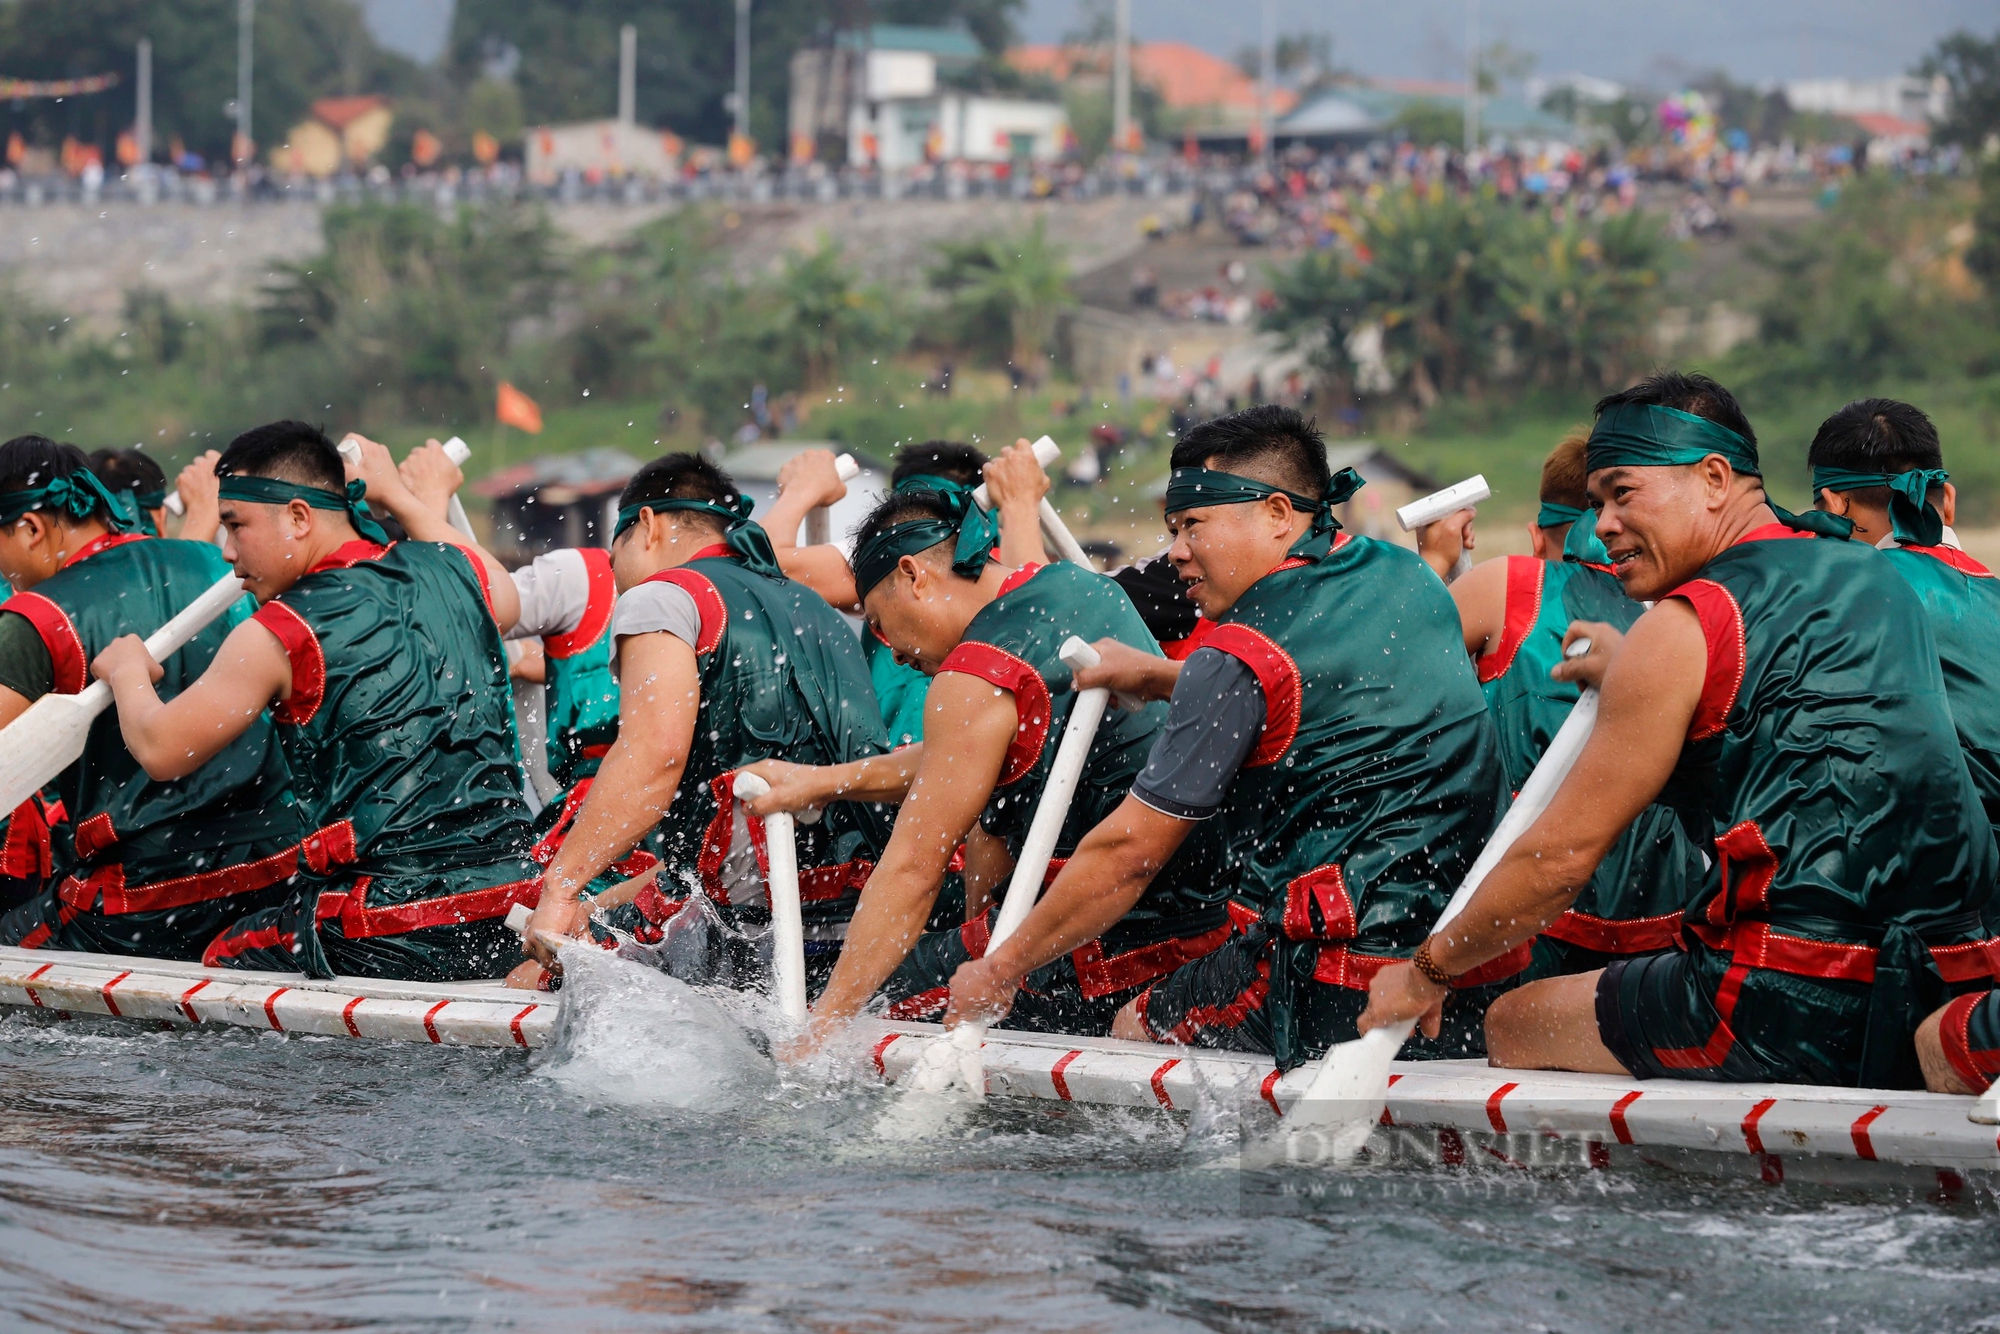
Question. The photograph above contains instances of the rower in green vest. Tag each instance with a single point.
(1877, 463)
(1784, 695)
(161, 864)
(1329, 730)
(722, 660)
(132, 475)
(989, 637)
(808, 481)
(383, 668)
(1515, 612)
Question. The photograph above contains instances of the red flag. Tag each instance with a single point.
(516, 409)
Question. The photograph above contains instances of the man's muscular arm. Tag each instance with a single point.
(1481, 596)
(961, 764)
(1651, 688)
(171, 739)
(807, 481)
(800, 787)
(659, 698)
(426, 465)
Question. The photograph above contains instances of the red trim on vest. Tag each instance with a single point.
(1771, 532)
(1748, 868)
(1278, 676)
(600, 600)
(1031, 700)
(1339, 966)
(1098, 976)
(1179, 649)
(1611, 935)
(1972, 962)
(824, 884)
(102, 543)
(1711, 1053)
(26, 852)
(1977, 1066)
(95, 835)
(1525, 578)
(308, 661)
(1722, 631)
(480, 573)
(1227, 1015)
(551, 843)
(360, 922)
(232, 944)
(920, 1006)
(1317, 906)
(349, 554)
(707, 602)
(1498, 968)
(59, 636)
(81, 892)
(1955, 558)
(976, 935)
(1019, 577)
(716, 838)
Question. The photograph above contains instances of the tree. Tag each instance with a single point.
(1007, 291)
(821, 314)
(1972, 68)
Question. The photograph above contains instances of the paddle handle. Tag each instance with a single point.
(788, 931)
(1429, 509)
(1064, 775)
(819, 519)
(455, 449)
(1054, 530)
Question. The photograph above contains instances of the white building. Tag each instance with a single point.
(1904, 96)
(600, 148)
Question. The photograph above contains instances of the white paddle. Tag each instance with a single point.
(1351, 1086)
(819, 519)
(1053, 528)
(50, 736)
(788, 932)
(1428, 510)
(954, 1058)
(456, 450)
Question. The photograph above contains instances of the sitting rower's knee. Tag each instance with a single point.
(1940, 1075)
(1510, 1027)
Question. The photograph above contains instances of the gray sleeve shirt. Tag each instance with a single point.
(555, 593)
(653, 607)
(1213, 722)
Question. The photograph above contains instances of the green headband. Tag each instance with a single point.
(1646, 435)
(1912, 519)
(148, 501)
(76, 496)
(971, 527)
(747, 541)
(923, 481)
(1554, 514)
(275, 491)
(1192, 488)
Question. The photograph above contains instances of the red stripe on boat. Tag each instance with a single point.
(1160, 1082)
(109, 1003)
(430, 1029)
(187, 1000)
(1056, 1074)
(1618, 1126)
(1387, 1119)
(1493, 1116)
(347, 1016)
(1864, 1148)
(1270, 1083)
(876, 1055)
(31, 991)
(1751, 1139)
(514, 1024)
(270, 1008)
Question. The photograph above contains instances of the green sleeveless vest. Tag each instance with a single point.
(1962, 602)
(782, 677)
(1378, 775)
(1014, 643)
(1633, 902)
(899, 689)
(1823, 766)
(580, 697)
(400, 726)
(131, 584)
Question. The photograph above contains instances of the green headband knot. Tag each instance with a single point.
(924, 481)
(974, 531)
(747, 541)
(1912, 519)
(1192, 488)
(1647, 435)
(76, 496)
(277, 491)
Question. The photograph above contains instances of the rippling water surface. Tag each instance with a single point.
(653, 1171)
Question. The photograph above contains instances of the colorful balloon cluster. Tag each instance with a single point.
(1685, 118)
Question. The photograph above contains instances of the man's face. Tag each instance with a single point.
(1221, 550)
(916, 612)
(269, 545)
(1658, 524)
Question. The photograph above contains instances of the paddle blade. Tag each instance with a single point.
(46, 740)
(1340, 1109)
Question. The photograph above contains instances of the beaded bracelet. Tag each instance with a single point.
(1429, 966)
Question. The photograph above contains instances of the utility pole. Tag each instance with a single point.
(1471, 75)
(244, 148)
(142, 121)
(1121, 79)
(628, 74)
(1267, 59)
(743, 70)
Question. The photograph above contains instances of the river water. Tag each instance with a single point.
(652, 1171)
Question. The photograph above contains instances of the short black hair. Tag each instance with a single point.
(1876, 435)
(1276, 438)
(289, 451)
(680, 477)
(30, 461)
(903, 507)
(127, 470)
(1690, 392)
(949, 459)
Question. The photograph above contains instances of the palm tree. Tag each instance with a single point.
(1017, 284)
